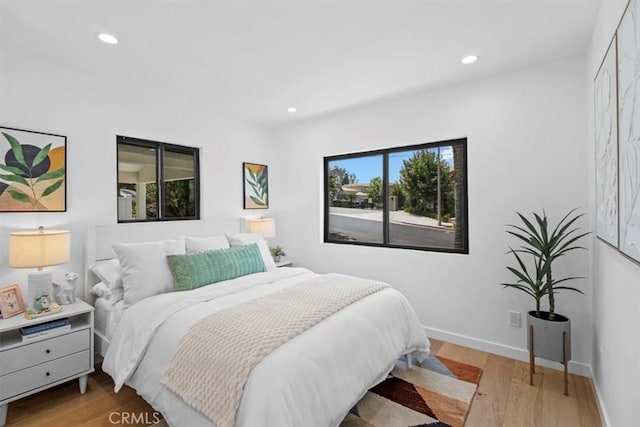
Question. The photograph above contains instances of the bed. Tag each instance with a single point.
(314, 378)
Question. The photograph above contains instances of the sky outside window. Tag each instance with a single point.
(367, 168)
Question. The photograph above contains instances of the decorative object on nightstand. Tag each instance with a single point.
(65, 293)
(38, 249)
(549, 333)
(11, 302)
(277, 252)
(42, 306)
(61, 351)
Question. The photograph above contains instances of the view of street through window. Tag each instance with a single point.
(421, 198)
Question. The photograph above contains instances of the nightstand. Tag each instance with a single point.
(35, 365)
(284, 263)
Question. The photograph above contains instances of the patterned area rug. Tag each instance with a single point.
(436, 392)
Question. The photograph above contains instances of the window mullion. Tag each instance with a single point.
(160, 180)
(385, 198)
(196, 181)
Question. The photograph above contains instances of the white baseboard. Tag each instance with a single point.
(604, 417)
(522, 354)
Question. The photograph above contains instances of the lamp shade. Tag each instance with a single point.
(39, 248)
(265, 226)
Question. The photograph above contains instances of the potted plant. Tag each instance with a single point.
(276, 253)
(549, 333)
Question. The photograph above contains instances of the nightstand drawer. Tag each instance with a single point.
(43, 351)
(41, 375)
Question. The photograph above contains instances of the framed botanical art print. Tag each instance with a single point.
(255, 186)
(11, 302)
(32, 171)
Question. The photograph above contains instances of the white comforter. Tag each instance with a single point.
(313, 380)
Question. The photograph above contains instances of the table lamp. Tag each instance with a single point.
(264, 226)
(38, 249)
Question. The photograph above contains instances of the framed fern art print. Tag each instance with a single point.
(256, 186)
(32, 171)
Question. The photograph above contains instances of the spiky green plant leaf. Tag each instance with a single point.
(568, 288)
(545, 248)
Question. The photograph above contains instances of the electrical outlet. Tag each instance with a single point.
(514, 319)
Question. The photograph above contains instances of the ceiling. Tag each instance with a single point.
(253, 59)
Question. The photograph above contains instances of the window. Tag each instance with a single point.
(409, 197)
(157, 181)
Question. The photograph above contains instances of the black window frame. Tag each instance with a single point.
(160, 148)
(385, 197)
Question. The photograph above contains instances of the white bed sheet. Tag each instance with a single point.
(312, 380)
(106, 316)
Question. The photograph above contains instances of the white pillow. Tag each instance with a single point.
(145, 271)
(244, 239)
(201, 244)
(101, 290)
(108, 272)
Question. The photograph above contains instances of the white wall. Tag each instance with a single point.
(526, 151)
(616, 300)
(49, 97)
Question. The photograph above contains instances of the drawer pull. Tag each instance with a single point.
(48, 374)
(47, 351)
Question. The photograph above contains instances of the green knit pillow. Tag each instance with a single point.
(203, 268)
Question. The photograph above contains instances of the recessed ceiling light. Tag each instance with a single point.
(469, 59)
(292, 110)
(107, 38)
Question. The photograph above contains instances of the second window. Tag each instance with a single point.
(157, 181)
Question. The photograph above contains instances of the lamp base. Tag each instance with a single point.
(39, 290)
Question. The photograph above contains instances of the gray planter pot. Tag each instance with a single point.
(548, 340)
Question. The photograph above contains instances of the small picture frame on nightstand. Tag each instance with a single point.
(11, 301)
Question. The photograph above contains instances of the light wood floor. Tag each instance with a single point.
(504, 398)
